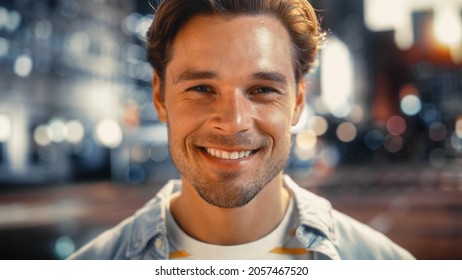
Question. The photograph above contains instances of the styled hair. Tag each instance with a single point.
(298, 16)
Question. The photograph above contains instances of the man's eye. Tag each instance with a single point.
(200, 89)
(265, 90)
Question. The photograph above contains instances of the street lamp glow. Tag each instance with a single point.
(448, 27)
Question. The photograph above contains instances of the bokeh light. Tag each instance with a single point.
(306, 140)
(3, 17)
(140, 152)
(336, 65)
(78, 41)
(346, 132)
(109, 133)
(57, 130)
(373, 139)
(158, 152)
(75, 131)
(396, 125)
(318, 125)
(430, 114)
(411, 105)
(64, 246)
(447, 27)
(41, 135)
(393, 143)
(130, 23)
(135, 174)
(437, 131)
(13, 20)
(305, 145)
(43, 29)
(356, 114)
(23, 66)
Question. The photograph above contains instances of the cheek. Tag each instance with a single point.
(277, 123)
(183, 121)
(179, 126)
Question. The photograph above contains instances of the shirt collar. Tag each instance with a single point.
(150, 223)
(314, 211)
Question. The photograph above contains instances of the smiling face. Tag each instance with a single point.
(230, 98)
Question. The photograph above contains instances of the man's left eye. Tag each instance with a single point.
(265, 90)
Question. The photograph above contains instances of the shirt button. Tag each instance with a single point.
(159, 244)
(137, 244)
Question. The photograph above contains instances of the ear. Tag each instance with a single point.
(299, 101)
(159, 100)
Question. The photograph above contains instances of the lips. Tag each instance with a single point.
(229, 155)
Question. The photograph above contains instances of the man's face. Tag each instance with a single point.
(230, 101)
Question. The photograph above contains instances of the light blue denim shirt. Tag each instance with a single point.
(327, 233)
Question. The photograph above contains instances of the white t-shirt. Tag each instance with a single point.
(280, 244)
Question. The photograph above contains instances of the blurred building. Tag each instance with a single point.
(75, 97)
(381, 133)
(388, 86)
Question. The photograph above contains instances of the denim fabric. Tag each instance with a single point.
(327, 233)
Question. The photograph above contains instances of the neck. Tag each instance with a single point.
(231, 226)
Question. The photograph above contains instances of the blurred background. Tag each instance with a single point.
(81, 147)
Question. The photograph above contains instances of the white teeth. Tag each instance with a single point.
(224, 155)
(228, 155)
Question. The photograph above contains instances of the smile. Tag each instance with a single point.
(233, 155)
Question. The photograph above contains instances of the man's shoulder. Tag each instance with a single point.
(351, 238)
(127, 239)
(110, 244)
(356, 240)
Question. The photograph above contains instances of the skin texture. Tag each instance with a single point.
(230, 100)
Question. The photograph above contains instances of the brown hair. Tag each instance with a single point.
(298, 16)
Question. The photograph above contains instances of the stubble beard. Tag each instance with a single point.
(228, 189)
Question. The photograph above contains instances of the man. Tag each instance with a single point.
(228, 82)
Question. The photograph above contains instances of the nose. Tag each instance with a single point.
(233, 113)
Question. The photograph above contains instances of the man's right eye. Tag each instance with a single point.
(200, 88)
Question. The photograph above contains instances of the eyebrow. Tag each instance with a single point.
(271, 76)
(191, 75)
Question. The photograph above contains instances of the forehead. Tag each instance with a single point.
(245, 43)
